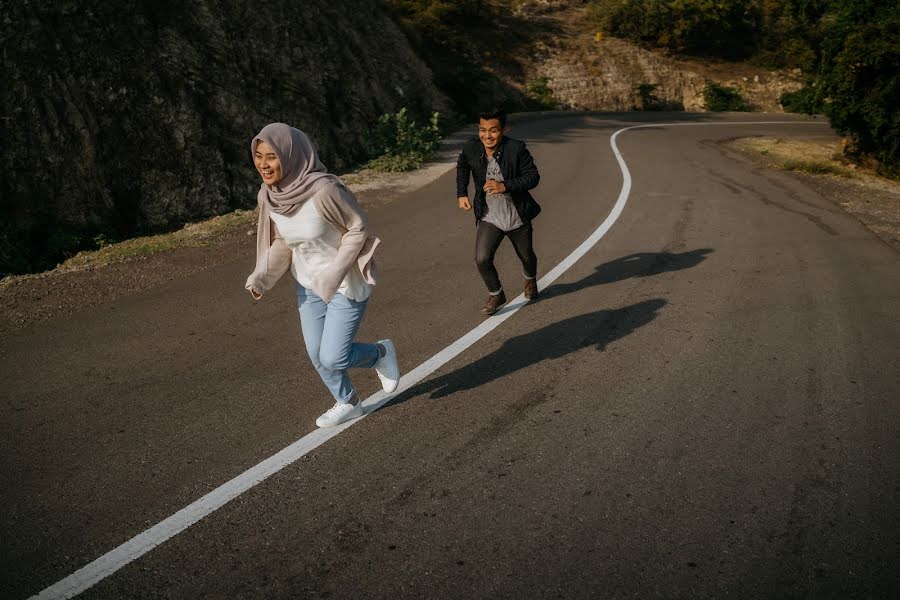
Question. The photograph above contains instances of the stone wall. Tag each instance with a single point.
(136, 116)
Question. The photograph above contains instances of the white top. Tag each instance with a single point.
(314, 244)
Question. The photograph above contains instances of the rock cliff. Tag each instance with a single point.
(584, 73)
(136, 116)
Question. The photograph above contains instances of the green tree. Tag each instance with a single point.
(859, 82)
(727, 28)
(791, 32)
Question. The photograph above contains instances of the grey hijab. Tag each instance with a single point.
(302, 173)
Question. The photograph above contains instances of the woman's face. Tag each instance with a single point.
(267, 163)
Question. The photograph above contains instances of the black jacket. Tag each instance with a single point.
(519, 174)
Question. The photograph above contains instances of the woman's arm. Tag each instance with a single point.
(339, 208)
(272, 262)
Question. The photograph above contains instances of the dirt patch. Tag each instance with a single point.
(873, 200)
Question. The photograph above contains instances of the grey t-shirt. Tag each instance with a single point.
(501, 212)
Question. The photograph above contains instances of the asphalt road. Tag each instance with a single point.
(704, 405)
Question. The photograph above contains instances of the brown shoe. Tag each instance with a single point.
(531, 291)
(493, 304)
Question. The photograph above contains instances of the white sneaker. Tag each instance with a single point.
(387, 368)
(339, 413)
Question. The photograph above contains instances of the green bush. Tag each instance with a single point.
(791, 32)
(727, 28)
(859, 81)
(399, 143)
(538, 90)
(649, 100)
(721, 98)
(805, 100)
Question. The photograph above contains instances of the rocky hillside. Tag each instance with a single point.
(584, 73)
(136, 116)
(590, 72)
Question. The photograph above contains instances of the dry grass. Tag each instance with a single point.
(808, 156)
(872, 199)
(191, 235)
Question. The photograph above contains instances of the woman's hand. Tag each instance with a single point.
(492, 186)
(464, 203)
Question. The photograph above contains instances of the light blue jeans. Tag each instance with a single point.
(328, 331)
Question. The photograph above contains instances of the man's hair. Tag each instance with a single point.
(495, 113)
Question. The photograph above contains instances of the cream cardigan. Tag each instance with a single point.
(338, 207)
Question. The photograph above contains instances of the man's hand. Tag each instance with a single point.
(464, 203)
(494, 187)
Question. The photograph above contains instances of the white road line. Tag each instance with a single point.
(115, 559)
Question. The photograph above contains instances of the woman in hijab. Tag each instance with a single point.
(311, 223)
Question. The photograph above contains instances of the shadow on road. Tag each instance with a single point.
(641, 264)
(570, 335)
(553, 341)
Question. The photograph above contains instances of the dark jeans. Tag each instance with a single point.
(487, 240)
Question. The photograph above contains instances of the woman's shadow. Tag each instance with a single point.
(640, 264)
(558, 339)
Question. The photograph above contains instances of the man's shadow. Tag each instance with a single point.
(640, 264)
(595, 329)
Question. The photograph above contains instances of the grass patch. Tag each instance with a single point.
(816, 167)
(816, 157)
(192, 235)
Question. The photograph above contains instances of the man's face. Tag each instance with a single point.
(490, 132)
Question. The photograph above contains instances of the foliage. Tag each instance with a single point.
(773, 33)
(791, 32)
(805, 100)
(539, 91)
(859, 82)
(649, 100)
(721, 98)
(399, 143)
(724, 28)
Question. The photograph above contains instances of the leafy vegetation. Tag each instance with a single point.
(849, 48)
(399, 143)
(790, 33)
(722, 98)
(804, 100)
(539, 91)
(859, 82)
(648, 100)
(723, 28)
